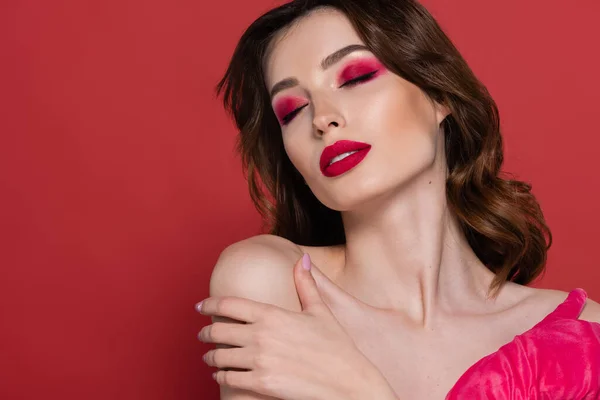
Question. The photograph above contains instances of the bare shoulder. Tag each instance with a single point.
(259, 268)
(591, 311)
(552, 298)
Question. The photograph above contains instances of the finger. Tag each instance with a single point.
(248, 380)
(305, 284)
(235, 357)
(237, 308)
(225, 333)
(330, 292)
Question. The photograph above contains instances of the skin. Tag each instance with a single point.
(287, 354)
(406, 287)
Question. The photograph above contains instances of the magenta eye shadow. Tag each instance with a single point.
(286, 105)
(359, 67)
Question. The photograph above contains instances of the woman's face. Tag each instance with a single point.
(348, 98)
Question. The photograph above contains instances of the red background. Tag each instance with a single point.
(119, 185)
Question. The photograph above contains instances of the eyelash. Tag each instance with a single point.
(358, 79)
(349, 83)
(288, 117)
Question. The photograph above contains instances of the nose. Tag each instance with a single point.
(326, 118)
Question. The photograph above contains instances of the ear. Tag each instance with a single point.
(441, 112)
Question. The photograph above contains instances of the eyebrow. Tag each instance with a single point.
(326, 63)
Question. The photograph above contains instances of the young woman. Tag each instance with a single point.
(371, 147)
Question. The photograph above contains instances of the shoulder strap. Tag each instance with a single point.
(572, 306)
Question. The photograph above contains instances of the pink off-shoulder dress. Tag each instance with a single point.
(557, 359)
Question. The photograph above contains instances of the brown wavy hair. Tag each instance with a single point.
(500, 218)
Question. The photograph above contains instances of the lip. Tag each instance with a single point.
(341, 147)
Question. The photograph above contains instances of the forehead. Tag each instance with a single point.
(299, 49)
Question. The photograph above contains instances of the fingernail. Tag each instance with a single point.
(306, 261)
(199, 306)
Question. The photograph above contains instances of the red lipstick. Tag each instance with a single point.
(339, 166)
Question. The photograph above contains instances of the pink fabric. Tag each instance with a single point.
(558, 359)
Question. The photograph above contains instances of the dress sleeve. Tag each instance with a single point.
(560, 360)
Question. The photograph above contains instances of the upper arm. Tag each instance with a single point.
(260, 269)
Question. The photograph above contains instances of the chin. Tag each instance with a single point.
(351, 196)
(362, 189)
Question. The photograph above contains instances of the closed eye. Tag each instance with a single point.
(288, 117)
(359, 79)
(349, 83)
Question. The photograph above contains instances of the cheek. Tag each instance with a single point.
(403, 127)
(398, 111)
(296, 152)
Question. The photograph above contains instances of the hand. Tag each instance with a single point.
(289, 355)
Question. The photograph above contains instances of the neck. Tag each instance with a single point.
(407, 253)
